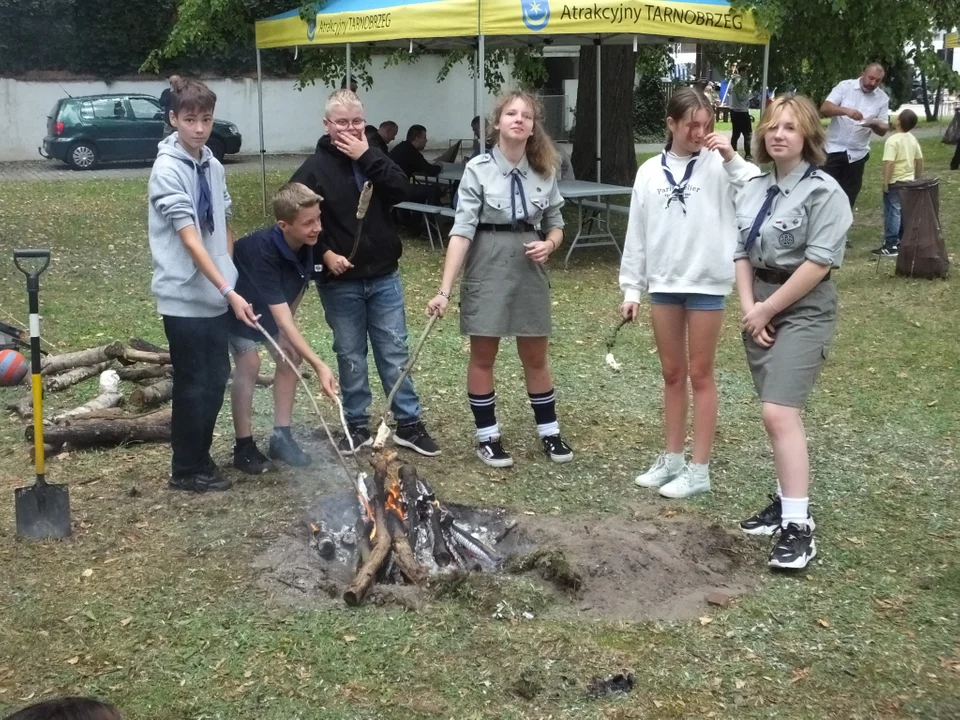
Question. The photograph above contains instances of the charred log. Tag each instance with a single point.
(155, 394)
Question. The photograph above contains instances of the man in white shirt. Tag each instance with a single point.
(857, 108)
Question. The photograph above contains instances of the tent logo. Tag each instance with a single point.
(311, 28)
(536, 13)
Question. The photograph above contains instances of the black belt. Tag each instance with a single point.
(778, 277)
(506, 227)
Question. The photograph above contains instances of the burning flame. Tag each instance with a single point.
(394, 500)
(314, 528)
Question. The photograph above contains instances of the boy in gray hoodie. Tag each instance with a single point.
(193, 277)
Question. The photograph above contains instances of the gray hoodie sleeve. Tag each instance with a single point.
(170, 197)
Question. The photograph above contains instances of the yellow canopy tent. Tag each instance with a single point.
(596, 22)
(505, 23)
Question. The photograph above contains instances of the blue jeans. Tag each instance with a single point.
(892, 218)
(355, 309)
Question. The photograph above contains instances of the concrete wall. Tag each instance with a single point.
(407, 94)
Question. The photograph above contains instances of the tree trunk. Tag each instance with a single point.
(619, 165)
(154, 427)
(144, 372)
(936, 102)
(926, 97)
(56, 383)
(152, 394)
(130, 357)
(55, 364)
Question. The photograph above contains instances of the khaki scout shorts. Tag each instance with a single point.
(785, 373)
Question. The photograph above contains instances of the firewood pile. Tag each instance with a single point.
(403, 534)
(109, 418)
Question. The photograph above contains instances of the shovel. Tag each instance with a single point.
(42, 510)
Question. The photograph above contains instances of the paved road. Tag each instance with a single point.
(55, 170)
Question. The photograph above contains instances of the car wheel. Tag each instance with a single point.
(217, 148)
(83, 155)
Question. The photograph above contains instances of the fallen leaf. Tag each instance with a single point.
(248, 673)
(739, 684)
(87, 573)
(932, 403)
(349, 638)
(706, 620)
(823, 622)
(800, 675)
(74, 660)
(126, 621)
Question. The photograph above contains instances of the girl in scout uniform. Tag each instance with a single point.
(679, 246)
(793, 224)
(507, 224)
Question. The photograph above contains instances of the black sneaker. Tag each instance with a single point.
(200, 482)
(556, 449)
(415, 436)
(284, 448)
(890, 251)
(491, 453)
(360, 437)
(795, 548)
(248, 459)
(765, 522)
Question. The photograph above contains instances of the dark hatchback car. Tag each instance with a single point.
(83, 131)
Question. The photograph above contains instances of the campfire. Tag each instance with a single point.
(402, 533)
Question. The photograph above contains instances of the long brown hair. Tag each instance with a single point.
(808, 122)
(541, 153)
(683, 101)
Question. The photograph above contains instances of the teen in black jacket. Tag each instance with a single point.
(362, 295)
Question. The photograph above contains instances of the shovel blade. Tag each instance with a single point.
(43, 511)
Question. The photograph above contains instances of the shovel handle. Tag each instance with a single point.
(33, 297)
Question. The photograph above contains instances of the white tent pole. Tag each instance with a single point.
(347, 86)
(597, 44)
(481, 90)
(263, 162)
(766, 70)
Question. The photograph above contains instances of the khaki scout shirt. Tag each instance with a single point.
(487, 195)
(808, 220)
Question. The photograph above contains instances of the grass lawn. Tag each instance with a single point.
(154, 604)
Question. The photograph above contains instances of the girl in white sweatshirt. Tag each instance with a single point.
(679, 247)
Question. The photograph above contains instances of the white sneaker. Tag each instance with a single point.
(659, 473)
(688, 482)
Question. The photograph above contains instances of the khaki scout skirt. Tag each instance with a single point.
(785, 373)
(504, 293)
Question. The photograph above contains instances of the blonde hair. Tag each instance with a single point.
(541, 153)
(291, 199)
(341, 98)
(683, 101)
(808, 122)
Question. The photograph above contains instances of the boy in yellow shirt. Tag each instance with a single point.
(902, 161)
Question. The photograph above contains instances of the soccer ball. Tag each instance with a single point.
(13, 368)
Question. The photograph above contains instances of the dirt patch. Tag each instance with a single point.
(653, 564)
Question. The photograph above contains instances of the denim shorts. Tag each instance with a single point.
(240, 345)
(689, 301)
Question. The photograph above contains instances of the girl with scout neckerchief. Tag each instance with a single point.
(679, 246)
(793, 224)
(504, 197)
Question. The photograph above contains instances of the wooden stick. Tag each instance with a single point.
(55, 383)
(154, 427)
(378, 554)
(154, 394)
(23, 407)
(52, 365)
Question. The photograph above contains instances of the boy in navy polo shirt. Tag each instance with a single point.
(275, 265)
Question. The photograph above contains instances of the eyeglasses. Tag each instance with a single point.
(343, 124)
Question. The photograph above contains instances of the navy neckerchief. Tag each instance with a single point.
(306, 264)
(358, 176)
(516, 188)
(205, 202)
(772, 193)
(678, 190)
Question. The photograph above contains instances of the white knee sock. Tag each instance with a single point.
(795, 510)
